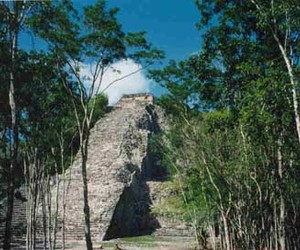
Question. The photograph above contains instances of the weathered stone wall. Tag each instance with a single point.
(19, 216)
(117, 167)
(127, 100)
(124, 176)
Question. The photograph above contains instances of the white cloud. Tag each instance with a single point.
(131, 84)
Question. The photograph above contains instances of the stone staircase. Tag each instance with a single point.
(118, 148)
(18, 222)
(119, 167)
(168, 226)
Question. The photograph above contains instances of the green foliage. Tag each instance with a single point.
(47, 85)
(218, 120)
(57, 23)
(100, 105)
(233, 143)
(46, 106)
(104, 34)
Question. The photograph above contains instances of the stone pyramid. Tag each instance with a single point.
(118, 166)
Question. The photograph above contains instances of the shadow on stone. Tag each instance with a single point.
(132, 215)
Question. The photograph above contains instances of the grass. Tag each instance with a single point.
(141, 243)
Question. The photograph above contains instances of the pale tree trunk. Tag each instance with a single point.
(56, 214)
(83, 127)
(14, 128)
(16, 13)
(288, 62)
(192, 214)
(36, 197)
(27, 174)
(275, 235)
(48, 219)
(51, 206)
(84, 124)
(86, 208)
(294, 83)
(226, 230)
(64, 207)
(33, 176)
(65, 185)
(212, 232)
(221, 207)
(56, 207)
(83, 130)
(44, 213)
(36, 193)
(49, 214)
(281, 224)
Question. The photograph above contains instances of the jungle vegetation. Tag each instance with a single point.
(232, 147)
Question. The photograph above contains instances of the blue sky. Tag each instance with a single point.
(170, 26)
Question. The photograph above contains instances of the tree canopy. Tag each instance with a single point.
(47, 105)
(234, 140)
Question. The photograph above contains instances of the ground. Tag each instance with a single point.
(140, 243)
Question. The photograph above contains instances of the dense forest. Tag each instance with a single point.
(47, 109)
(234, 142)
(232, 147)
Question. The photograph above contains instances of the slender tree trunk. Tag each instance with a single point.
(28, 176)
(49, 215)
(62, 158)
(36, 193)
(275, 227)
(226, 231)
(293, 82)
(14, 128)
(213, 236)
(33, 176)
(86, 208)
(281, 219)
(64, 208)
(56, 208)
(83, 127)
(44, 212)
(221, 207)
(65, 188)
(289, 67)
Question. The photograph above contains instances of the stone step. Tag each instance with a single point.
(120, 133)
